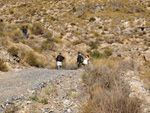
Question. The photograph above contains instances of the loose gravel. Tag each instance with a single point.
(13, 84)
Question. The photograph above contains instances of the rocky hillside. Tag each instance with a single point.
(110, 31)
(121, 28)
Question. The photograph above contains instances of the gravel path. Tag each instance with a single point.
(13, 84)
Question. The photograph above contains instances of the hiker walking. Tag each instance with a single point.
(80, 59)
(24, 31)
(59, 60)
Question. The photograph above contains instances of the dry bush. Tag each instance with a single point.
(37, 29)
(146, 77)
(103, 76)
(32, 60)
(71, 65)
(108, 52)
(3, 42)
(111, 102)
(2, 25)
(127, 65)
(107, 91)
(47, 45)
(93, 45)
(110, 62)
(96, 34)
(13, 51)
(3, 66)
(76, 42)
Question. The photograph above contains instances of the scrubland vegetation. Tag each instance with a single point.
(108, 93)
(108, 31)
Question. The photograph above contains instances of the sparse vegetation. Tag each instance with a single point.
(93, 45)
(32, 59)
(100, 28)
(108, 52)
(13, 51)
(108, 93)
(76, 42)
(44, 101)
(2, 25)
(34, 98)
(96, 54)
(47, 45)
(37, 29)
(96, 34)
(3, 66)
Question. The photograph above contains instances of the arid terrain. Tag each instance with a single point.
(114, 33)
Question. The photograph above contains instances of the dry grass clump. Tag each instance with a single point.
(37, 29)
(93, 45)
(13, 51)
(2, 25)
(3, 66)
(107, 92)
(47, 45)
(32, 60)
(76, 42)
(70, 65)
(145, 76)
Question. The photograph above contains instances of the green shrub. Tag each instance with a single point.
(96, 54)
(44, 101)
(3, 66)
(32, 60)
(13, 51)
(34, 98)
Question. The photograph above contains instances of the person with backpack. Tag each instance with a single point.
(24, 31)
(59, 60)
(80, 59)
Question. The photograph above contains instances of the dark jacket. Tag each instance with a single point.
(80, 58)
(60, 58)
(24, 30)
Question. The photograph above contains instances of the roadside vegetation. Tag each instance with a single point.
(108, 93)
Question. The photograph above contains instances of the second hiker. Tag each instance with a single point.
(80, 59)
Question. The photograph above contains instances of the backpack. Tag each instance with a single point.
(82, 59)
(59, 58)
